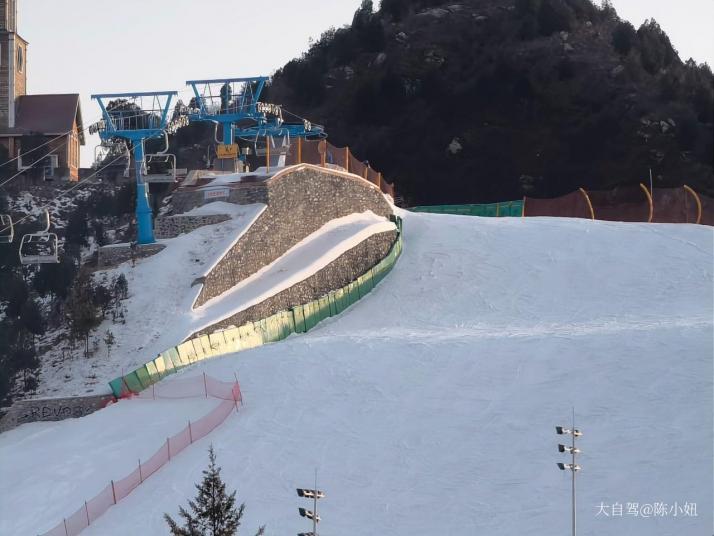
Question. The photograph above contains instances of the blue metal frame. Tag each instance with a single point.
(137, 136)
(247, 108)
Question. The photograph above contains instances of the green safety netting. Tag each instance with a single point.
(492, 210)
(277, 327)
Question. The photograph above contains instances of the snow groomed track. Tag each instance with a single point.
(429, 406)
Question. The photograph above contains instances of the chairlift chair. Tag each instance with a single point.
(7, 231)
(167, 161)
(41, 247)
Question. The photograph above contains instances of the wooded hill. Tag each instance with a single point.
(489, 100)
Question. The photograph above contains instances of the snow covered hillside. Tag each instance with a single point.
(429, 406)
(162, 291)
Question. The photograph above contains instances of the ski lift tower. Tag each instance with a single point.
(133, 120)
(226, 102)
(233, 103)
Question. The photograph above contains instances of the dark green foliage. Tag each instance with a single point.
(566, 111)
(554, 16)
(624, 37)
(656, 51)
(395, 9)
(121, 287)
(77, 230)
(213, 512)
(102, 299)
(31, 318)
(82, 311)
(55, 279)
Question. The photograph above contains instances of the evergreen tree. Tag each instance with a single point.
(121, 287)
(213, 511)
(82, 311)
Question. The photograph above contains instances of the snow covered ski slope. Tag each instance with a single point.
(429, 406)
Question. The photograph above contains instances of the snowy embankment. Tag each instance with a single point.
(429, 406)
(162, 292)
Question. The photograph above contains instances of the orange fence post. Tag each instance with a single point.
(590, 205)
(347, 159)
(649, 200)
(299, 155)
(364, 175)
(267, 154)
(379, 180)
(697, 201)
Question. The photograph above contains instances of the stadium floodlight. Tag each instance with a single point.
(313, 494)
(572, 467)
(310, 493)
(309, 514)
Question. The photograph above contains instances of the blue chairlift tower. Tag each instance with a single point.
(136, 124)
(234, 105)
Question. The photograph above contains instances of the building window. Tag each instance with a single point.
(20, 59)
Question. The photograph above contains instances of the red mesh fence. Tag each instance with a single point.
(572, 205)
(632, 203)
(126, 485)
(625, 203)
(707, 210)
(674, 205)
(199, 386)
(100, 503)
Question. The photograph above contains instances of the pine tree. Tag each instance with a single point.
(213, 511)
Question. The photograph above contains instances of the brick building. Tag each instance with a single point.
(29, 122)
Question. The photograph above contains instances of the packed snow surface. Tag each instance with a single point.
(429, 406)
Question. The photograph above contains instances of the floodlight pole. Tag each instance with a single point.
(573, 471)
(573, 466)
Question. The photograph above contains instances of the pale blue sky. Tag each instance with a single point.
(94, 46)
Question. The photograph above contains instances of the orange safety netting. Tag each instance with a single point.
(200, 386)
(629, 203)
(572, 205)
(323, 153)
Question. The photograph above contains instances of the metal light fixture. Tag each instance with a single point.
(572, 467)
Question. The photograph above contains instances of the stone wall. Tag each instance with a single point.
(339, 273)
(51, 409)
(172, 226)
(241, 193)
(114, 255)
(300, 201)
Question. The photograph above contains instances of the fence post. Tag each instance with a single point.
(347, 159)
(86, 511)
(299, 155)
(190, 434)
(379, 180)
(364, 174)
(114, 494)
(205, 387)
(168, 448)
(239, 391)
(267, 154)
(141, 478)
(65, 527)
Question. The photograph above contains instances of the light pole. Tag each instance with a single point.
(573, 467)
(313, 494)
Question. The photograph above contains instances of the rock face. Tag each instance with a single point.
(52, 409)
(300, 200)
